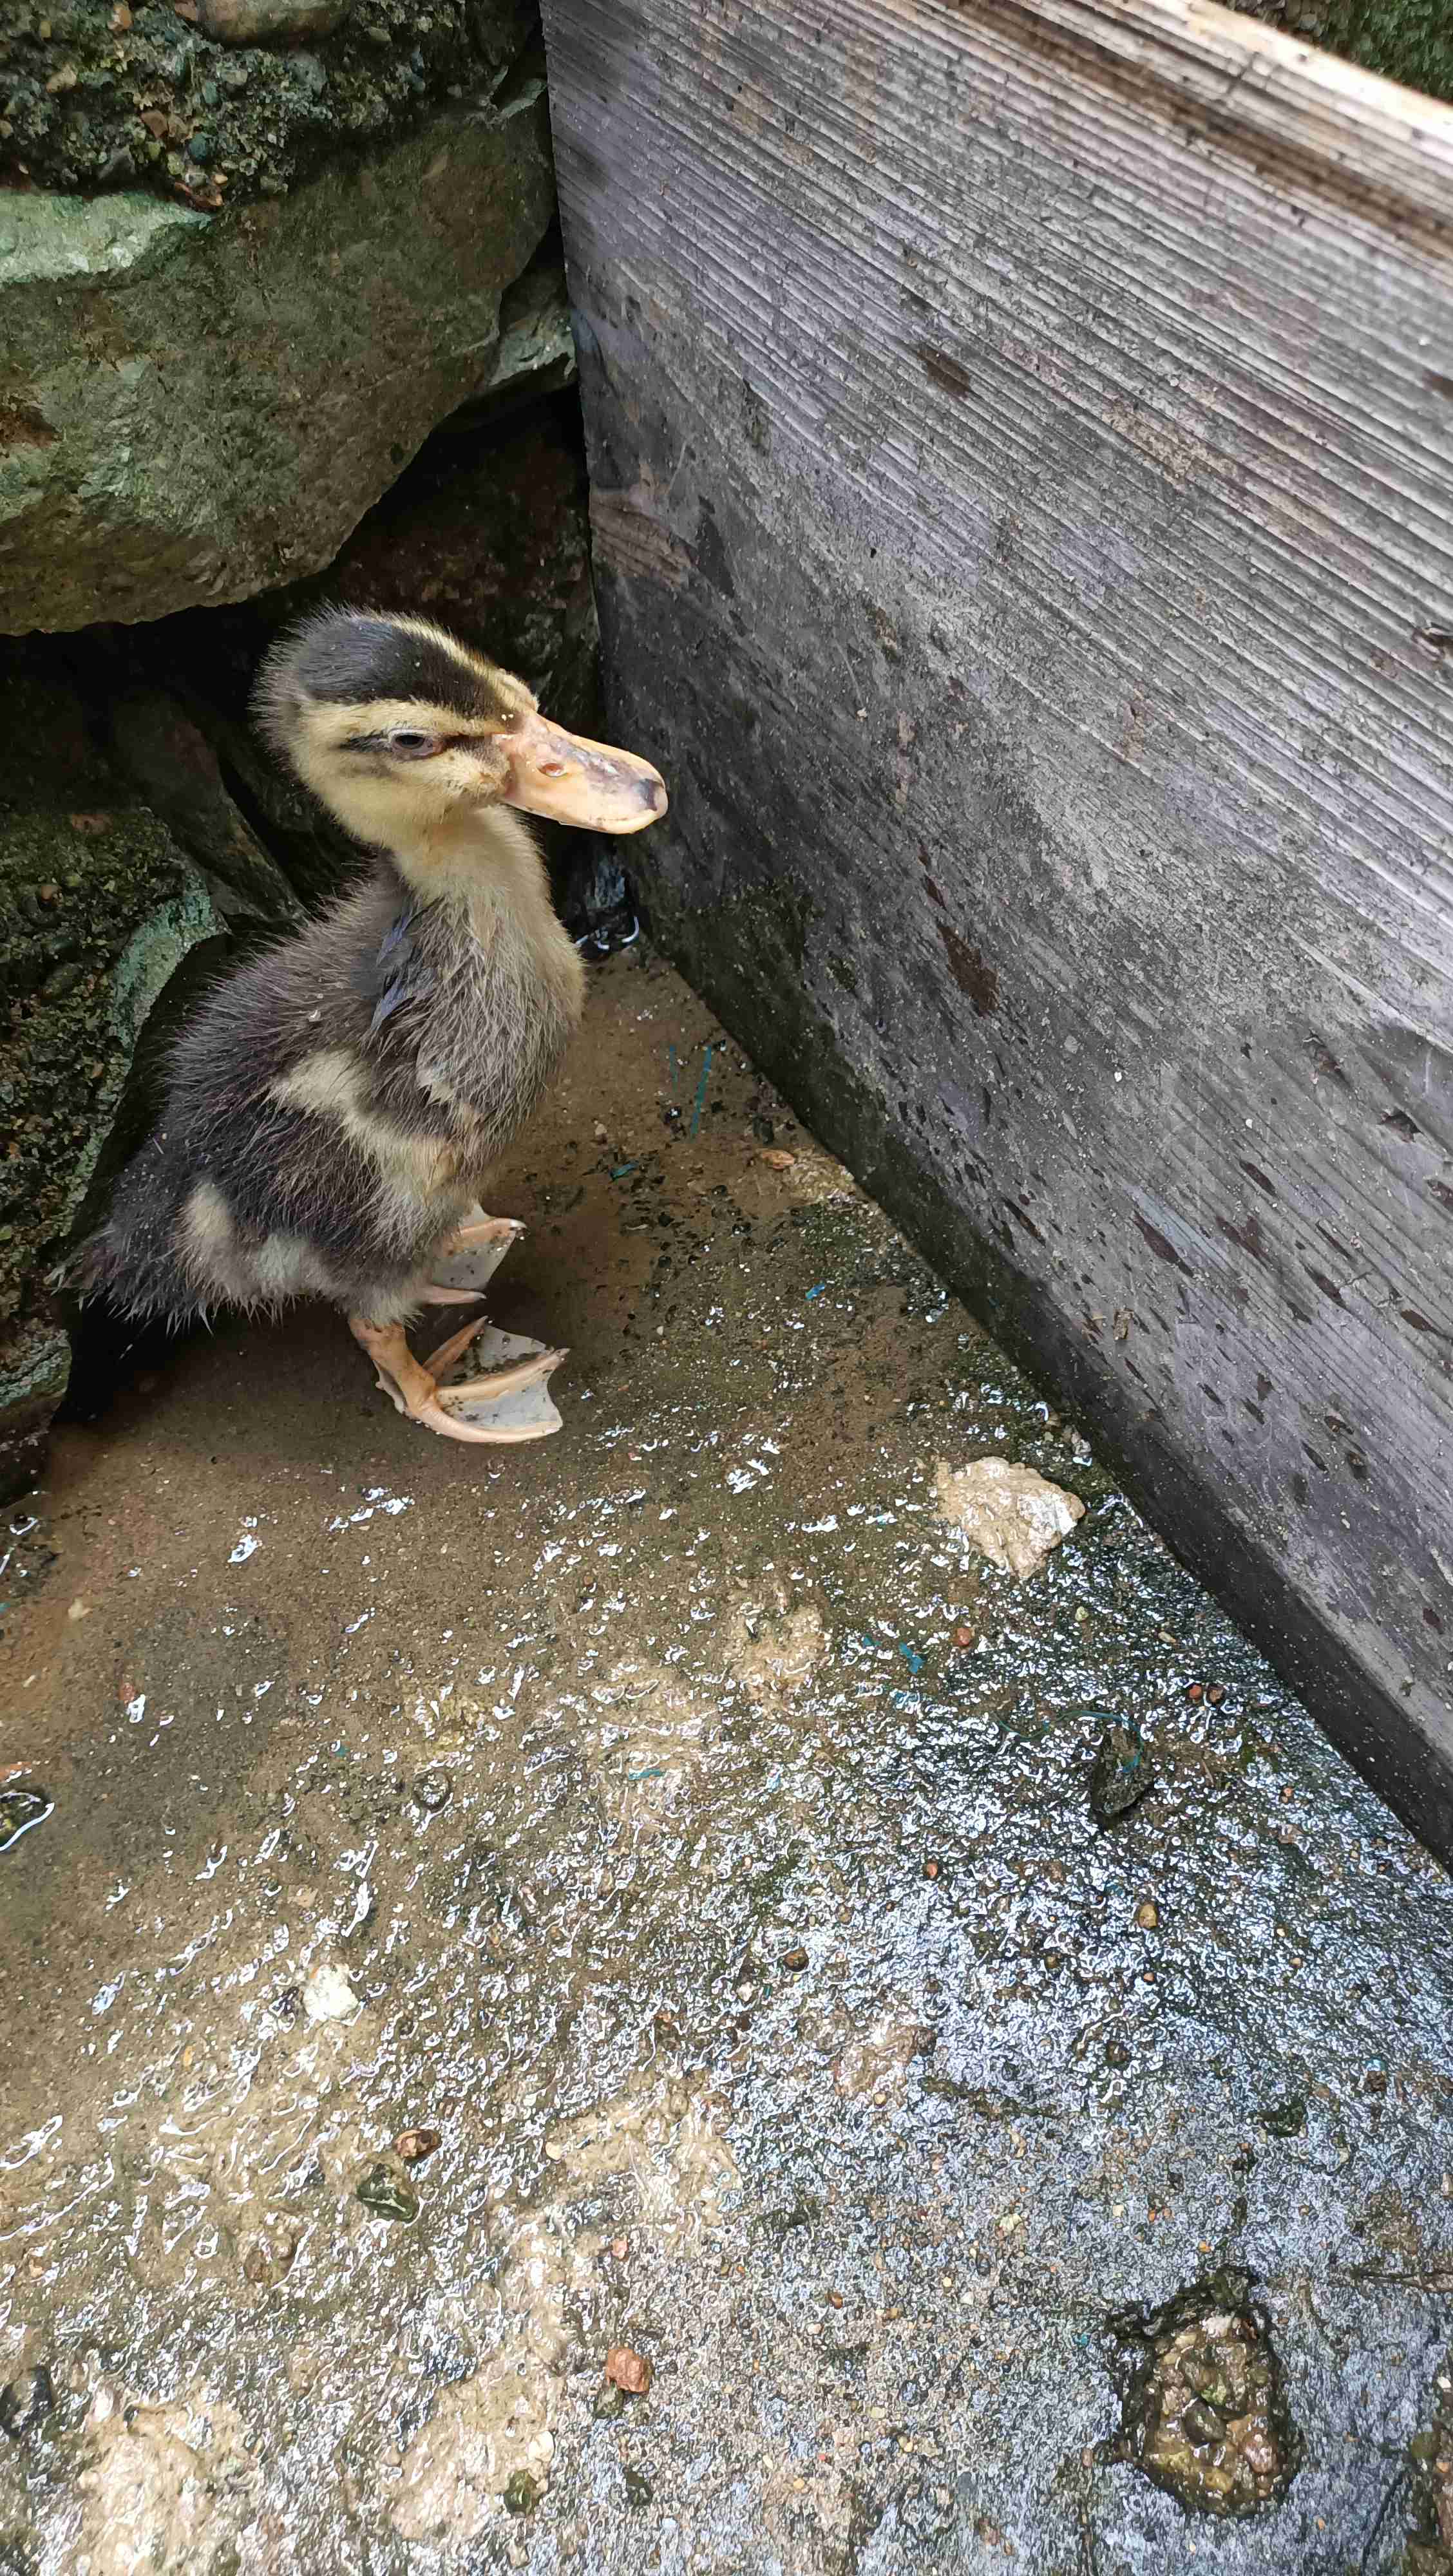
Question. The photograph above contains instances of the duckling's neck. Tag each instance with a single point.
(486, 873)
(483, 863)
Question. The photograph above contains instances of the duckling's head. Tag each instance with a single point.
(409, 737)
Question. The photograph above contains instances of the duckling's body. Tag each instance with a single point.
(332, 1110)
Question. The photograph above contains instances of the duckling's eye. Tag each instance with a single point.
(410, 745)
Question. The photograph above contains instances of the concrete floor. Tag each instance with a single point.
(682, 1823)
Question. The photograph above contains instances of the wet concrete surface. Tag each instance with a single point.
(681, 1821)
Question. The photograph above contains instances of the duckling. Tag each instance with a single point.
(331, 1111)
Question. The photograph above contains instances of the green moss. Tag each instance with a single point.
(1405, 40)
(158, 105)
(98, 911)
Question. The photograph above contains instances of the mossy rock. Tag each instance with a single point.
(99, 910)
(232, 101)
(201, 407)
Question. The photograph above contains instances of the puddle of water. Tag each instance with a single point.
(698, 1841)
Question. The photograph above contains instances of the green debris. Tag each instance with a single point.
(1124, 1772)
(21, 1809)
(385, 2195)
(1202, 2410)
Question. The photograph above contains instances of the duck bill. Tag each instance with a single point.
(568, 780)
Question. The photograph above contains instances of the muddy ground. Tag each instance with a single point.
(683, 1824)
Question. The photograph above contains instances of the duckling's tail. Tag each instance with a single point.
(132, 1262)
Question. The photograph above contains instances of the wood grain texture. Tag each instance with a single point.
(1021, 440)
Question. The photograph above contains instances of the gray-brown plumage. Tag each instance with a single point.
(332, 1110)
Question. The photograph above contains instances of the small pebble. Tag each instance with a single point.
(432, 1791)
(414, 2144)
(795, 1959)
(1147, 1916)
(521, 2495)
(269, 2258)
(628, 2370)
(267, 22)
(328, 1996)
(1202, 2423)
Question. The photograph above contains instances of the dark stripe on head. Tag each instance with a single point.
(343, 657)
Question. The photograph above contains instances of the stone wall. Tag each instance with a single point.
(325, 355)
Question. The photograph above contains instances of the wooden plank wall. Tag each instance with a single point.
(1021, 438)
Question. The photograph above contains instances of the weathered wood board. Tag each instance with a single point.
(1021, 435)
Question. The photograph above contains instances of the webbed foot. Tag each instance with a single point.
(505, 1403)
